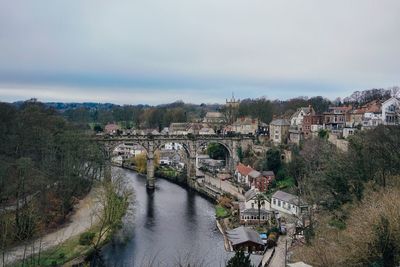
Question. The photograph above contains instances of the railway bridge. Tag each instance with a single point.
(190, 143)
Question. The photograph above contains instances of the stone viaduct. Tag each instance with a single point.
(191, 144)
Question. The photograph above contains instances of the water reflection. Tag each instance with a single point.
(191, 206)
(170, 224)
(150, 218)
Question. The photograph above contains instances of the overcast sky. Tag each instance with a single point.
(148, 51)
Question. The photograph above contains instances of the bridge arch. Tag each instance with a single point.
(229, 160)
(186, 147)
(191, 146)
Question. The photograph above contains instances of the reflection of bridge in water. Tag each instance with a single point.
(191, 145)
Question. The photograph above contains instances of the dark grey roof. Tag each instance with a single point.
(289, 198)
(242, 235)
(250, 194)
(280, 122)
(268, 173)
(254, 174)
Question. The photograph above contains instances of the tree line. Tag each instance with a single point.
(46, 164)
(351, 188)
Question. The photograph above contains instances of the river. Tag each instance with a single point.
(171, 225)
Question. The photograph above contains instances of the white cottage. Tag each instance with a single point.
(287, 203)
(391, 111)
(242, 174)
(249, 208)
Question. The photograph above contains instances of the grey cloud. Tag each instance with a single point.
(353, 44)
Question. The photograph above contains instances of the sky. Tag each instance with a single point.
(198, 51)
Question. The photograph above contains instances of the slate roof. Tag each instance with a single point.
(280, 122)
(254, 174)
(289, 198)
(242, 235)
(252, 193)
(268, 173)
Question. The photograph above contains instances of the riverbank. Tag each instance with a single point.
(61, 245)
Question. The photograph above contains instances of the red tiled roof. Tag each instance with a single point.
(243, 169)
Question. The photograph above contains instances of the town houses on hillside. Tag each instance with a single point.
(340, 121)
(251, 178)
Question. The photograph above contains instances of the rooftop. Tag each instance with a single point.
(252, 193)
(242, 235)
(254, 174)
(280, 122)
(289, 198)
(243, 169)
(214, 114)
(268, 173)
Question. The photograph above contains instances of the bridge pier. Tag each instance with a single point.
(191, 170)
(150, 181)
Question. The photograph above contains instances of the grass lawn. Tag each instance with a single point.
(221, 212)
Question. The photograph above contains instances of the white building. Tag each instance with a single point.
(296, 120)
(287, 203)
(200, 158)
(242, 174)
(249, 208)
(371, 120)
(391, 111)
(173, 146)
(128, 150)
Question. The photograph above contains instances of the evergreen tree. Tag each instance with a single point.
(240, 260)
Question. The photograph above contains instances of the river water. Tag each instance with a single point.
(172, 225)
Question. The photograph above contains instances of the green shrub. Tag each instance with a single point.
(86, 238)
(221, 212)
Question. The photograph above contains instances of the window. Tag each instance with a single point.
(274, 201)
(252, 205)
(279, 203)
